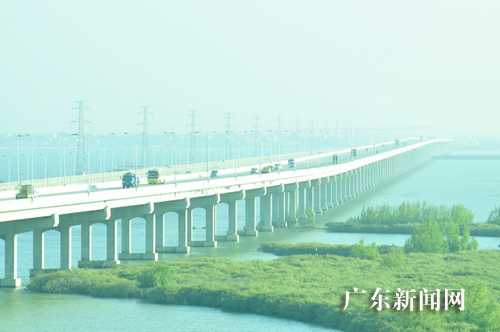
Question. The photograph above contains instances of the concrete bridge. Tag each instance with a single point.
(318, 183)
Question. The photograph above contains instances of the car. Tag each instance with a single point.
(214, 174)
(266, 169)
(277, 167)
(254, 170)
(292, 165)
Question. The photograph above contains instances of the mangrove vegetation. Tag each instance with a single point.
(407, 217)
(310, 288)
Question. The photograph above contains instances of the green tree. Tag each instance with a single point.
(480, 306)
(494, 217)
(428, 237)
(468, 243)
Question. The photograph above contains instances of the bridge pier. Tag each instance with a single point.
(291, 191)
(150, 253)
(250, 228)
(329, 192)
(265, 224)
(231, 200)
(11, 279)
(65, 247)
(303, 186)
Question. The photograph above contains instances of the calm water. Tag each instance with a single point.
(474, 183)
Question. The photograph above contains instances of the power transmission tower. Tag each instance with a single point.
(81, 154)
(257, 143)
(226, 136)
(279, 138)
(192, 146)
(145, 137)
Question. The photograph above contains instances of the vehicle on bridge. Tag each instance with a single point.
(277, 167)
(291, 163)
(25, 192)
(335, 159)
(267, 169)
(154, 176)
(214, 174)
(130, 180)
(254, 170)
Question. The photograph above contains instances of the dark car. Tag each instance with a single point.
(254, 170)
(214, 174)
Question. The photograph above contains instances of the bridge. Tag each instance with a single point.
(316, 184)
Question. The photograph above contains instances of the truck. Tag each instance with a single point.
(130, 180)
(154, 176)
(26, 191)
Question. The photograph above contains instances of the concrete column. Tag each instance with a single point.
(280, 207)
(292, 204)
(362, 178)
(183, 230)
(329, 192)
(150, 233)
(160, 229)
(211, 218)
(111, 240)
(287, 203)
(126, 239)
(324, 194)
(38, 249)
(265, 224)
(232, 232)
(352, 187)
(250, 228)
(86, 241)
(65, 247)
(316, 184)
(338, 189)
(357, 177)
(189, 225)
(310, 198)
(275, 205)
(11, 279)
(345, 190)
(302, 200)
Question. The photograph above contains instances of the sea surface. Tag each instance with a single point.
(474, 183)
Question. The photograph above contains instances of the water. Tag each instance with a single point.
(473, 183)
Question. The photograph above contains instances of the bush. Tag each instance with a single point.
(307, 219)
(365, 252)
(394, 258)
(155, 275)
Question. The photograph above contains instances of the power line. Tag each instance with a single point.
(81, 154)
(145, 137)
(227, 148)
(192, 146)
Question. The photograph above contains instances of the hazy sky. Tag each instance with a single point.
(356, 63)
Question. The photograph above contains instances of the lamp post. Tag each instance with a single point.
(135, 159)
(64, 156)
(45, 168)
(174, 137)
(104, 154)
(208, 154)
(32, 147)
(8, 176)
